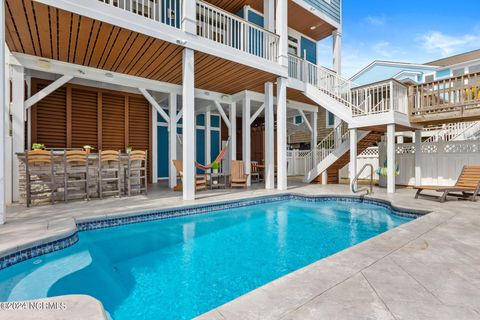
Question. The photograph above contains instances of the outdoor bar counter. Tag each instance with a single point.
(42, 191)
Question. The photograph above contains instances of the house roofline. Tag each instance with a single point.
(396, 63)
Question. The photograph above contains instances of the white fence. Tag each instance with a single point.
(440, 164)
(369, 156)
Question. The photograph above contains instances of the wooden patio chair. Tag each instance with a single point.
(238, 177)
(200, 179)
(75, 162)
(466, 187)
(109, 172)
(136, 173)
(255, 172)
(39, 163)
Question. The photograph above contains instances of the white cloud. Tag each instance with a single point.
(437, 42)
(376, 21)
(384, 49)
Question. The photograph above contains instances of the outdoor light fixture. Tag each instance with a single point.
(313, 27)
(224, 97)
(42, 63)
(108, 75)
(182, 42)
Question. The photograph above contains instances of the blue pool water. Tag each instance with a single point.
(182, 267)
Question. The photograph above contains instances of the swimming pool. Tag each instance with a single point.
(181, 267)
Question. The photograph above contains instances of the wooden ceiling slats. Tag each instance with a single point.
(42, 22)
(31, 21)
(21, 24)
(68, 37)
(84, 35)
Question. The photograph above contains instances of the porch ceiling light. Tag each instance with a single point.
(182, 42)
(313, 27)
(42, 63)
(224, 97)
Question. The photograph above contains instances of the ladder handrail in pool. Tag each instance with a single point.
(354, 181)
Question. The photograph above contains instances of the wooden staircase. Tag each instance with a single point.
(333, 171)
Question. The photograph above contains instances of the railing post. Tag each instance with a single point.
(281, 28)
(189, 16)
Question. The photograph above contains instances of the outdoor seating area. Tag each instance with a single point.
(48, 176)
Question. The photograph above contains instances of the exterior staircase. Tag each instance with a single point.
(457, 131)
(349, 102)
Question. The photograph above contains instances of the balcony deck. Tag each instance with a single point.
(65, 36)
(453, 99)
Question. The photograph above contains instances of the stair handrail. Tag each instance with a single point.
(353, 185)
(452, 131)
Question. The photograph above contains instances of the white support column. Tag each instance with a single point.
(189, 18)
(208, 137)
(269, 138)
(391, 158)
(269, 14)
(18, 125)
(282, 133)
(418, 157)
(172, 139)
(324, 177)
(154, 145)
(233, 131)
(188, 99)
(2, 114)
(281, 28)
(246, 143)
(352, 167)
(314, 136)
(337, 51)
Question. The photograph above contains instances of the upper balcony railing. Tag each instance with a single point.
(164, 11)
(380, 97)
(370, 99)
(455, 98)
(213, 24)
(226, 28)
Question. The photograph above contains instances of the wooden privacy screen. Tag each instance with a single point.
(74, 116)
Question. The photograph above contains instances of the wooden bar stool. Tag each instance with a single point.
(39, 163)
(109, 172)
(75, 162)
(136, 173)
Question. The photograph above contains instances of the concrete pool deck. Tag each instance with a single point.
(428, 268)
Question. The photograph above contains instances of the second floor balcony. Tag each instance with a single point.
(213, 23)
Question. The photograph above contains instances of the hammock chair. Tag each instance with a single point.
(218, 159)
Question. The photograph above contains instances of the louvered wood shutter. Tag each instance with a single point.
(84, 118)
(51, 119)
(113, 121)
(139, 126)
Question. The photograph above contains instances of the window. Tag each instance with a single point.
(293, 45)
(330, 120)
(429, 78)
(297, 120)
(474, 69)
(458, 72)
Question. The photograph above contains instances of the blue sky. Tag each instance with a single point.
(404, 30)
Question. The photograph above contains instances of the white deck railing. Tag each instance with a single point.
(381, 97)
(164, 11)
(213, 24)
(226, 28)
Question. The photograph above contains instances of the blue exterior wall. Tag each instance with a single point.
(332, 9)
(381, 72)
(163, 143)
(310, 48)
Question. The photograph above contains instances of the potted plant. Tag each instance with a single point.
(88, 148)
(215, 166)
(38, 146)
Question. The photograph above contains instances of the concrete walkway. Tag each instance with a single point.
(426, 269)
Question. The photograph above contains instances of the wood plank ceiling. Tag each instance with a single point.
(36, 29)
